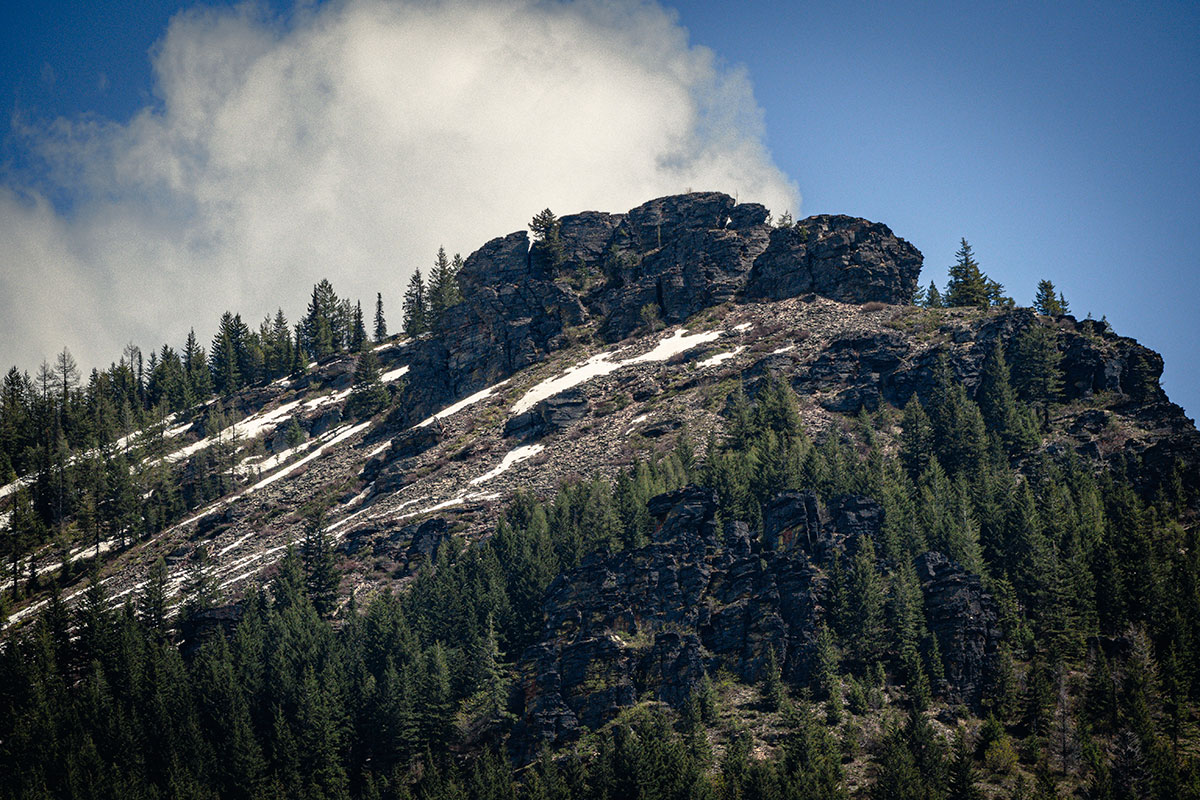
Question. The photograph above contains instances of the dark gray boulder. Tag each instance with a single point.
(836, 256)
(965, 620)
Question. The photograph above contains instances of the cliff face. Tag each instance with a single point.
(678, 255)
(653, 622)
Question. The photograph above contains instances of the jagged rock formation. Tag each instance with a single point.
(840, 257)
(654, 620)
(964, 619)
(549, 416)
(679, 254)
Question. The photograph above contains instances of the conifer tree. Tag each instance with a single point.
(916, 439)
(998, 404)
(226, 376)
(771, 690)
(416, 306)
(968, 286)
(320, 565)
(1047, 301)
(443, 285)
(200, 589)
(1035, 372)
(933, 297)
(380, 321)
(320, 324)
(959, 435)
(154, 599)
(865, 605)
(962, 770)
(368, 395)
(358, 330)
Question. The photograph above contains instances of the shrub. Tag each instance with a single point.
(1000, 756)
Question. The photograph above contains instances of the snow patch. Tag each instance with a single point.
(394, 374)
(603, 364)
(512, 457)
(745, 326)
(251, 427)
(720, 357)
(783, 349)
(450, 411)
(235, 545)
(339, 435)
(92, 550)
(454, 501)
(11, 488)
(325, 400)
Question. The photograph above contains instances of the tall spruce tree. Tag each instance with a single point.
(416, 306)
(380, 322)
(320, 564)
(1047, 301)
(968, 286)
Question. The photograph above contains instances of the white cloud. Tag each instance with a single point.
(350, 143)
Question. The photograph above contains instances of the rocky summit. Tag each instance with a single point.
(653, 458)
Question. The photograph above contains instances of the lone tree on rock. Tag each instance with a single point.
(545, 228)
(1048, 303)
(968, 286)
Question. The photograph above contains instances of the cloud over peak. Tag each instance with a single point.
(350, 142)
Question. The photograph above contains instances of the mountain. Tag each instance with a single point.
(647, 463)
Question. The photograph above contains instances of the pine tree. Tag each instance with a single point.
(1036, 374)
(434, 709)
(866, 605)
(933, 298)
(200, 589)
(223, 357)
(368, 395)
(320, 324)
(545, 227)
(320, 565)
(358, 330)
(771, 690)
(443, 285)
(962, 770)
(380, 322)
(1047, 302)
(916, 439)
(154, 599)
(968, 286)
(1002, 414)
(416, 306)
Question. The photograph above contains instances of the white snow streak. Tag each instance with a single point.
(449, 411)
(602, 364)
(512, 457)
(720, 357)
(340, 435)
(394, 374)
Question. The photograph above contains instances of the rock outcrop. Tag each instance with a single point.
(549, 416)
(839, 257)
(677, 255)
(653, 621)
(966, 623)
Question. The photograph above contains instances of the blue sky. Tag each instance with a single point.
(1062, 140)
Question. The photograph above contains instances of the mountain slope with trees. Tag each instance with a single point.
(786, 534)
